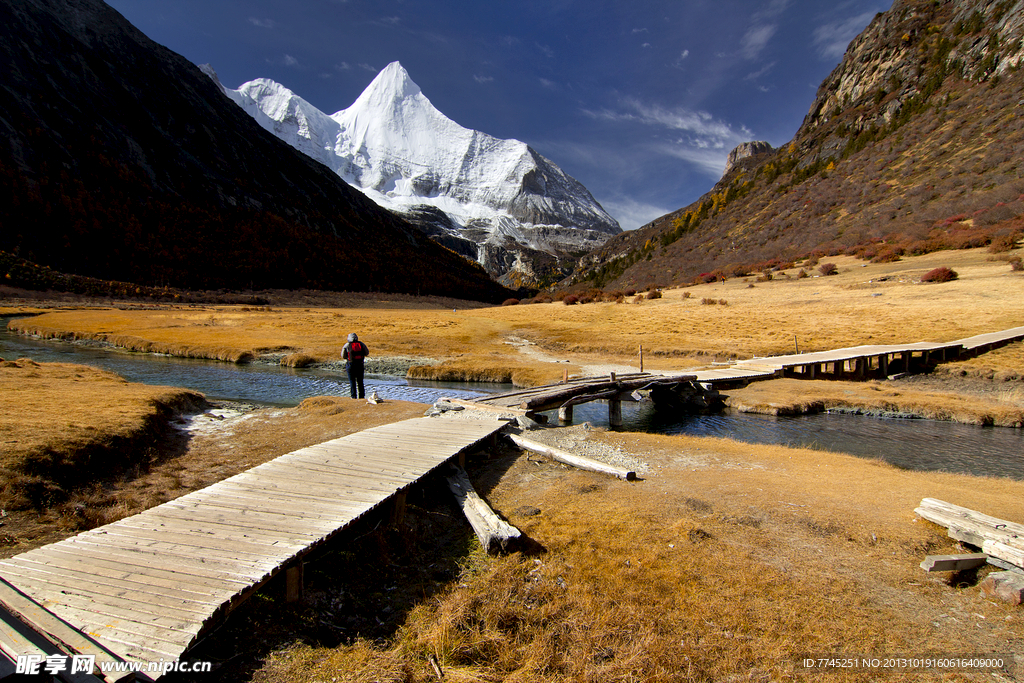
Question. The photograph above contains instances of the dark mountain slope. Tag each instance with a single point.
(914, 143)
(122, 160)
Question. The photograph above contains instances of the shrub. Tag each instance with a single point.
(1002, 243)
(687, 295)
(802, 274)
(707, 301)
(630, 292)
(570, 300)
(723, 302)
(1016, 264)
(766, 276)
(828, 269)
(510, 302)
(654, 294)
(940, 274)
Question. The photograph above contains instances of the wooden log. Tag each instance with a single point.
(614, 412)
(952, 563)
(495, 534)
(574, 460)
(1004, 551)
(997, 537)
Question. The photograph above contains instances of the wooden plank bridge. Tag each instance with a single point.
(145, 588)
(853, 363)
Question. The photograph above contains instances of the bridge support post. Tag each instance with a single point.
(398, 511)
(614, 412)
(293, 582)
(883, 364)
(565, 414)
(906, 361)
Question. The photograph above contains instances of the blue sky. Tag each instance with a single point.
(640, 100)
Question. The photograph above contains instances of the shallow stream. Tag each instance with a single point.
(906, 443)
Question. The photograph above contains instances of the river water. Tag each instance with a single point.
(906, 443)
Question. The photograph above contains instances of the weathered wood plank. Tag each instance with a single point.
(44, 622)
(574, 460)
(118, 584)
(208, 580)
(952, 563)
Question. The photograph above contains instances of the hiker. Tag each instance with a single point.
(354, 352)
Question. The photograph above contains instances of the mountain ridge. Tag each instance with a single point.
(108, 173)
(896, 155)
(500, 195)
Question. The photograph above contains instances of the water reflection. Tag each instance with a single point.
(909, 444)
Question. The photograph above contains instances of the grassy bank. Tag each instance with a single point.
(725, 562)
(63, 426)
(1003, 406)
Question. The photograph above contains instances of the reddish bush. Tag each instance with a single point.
(654, 294)
(1003, 243)
(510, 302)
(802, 274)
(630, 292)
(828, 269)
(570, 300)
(940, 274)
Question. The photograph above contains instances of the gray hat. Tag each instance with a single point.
(352, 337)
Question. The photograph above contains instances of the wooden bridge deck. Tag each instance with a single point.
(856, 362)
(146, 587)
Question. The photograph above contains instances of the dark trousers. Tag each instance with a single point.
(355, 379)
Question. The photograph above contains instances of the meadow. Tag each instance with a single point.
(725, 562)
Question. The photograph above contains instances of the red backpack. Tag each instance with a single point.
(356, 351)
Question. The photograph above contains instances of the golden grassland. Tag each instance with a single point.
(725, 562)
(61, 423)
(865, 303)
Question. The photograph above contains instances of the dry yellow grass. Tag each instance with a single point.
(727, 562)
(864, 304)
(61, 422)
(796, 396)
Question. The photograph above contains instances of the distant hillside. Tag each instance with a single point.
(913, 143)
(122, 161)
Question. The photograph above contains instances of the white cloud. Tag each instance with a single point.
(290, 61)
(640, 30)
(632, 214)
(756, 39)
(483, 79)
(831, 40)
(697, 136)
(366, 67)
(550, 85)
(262, 23)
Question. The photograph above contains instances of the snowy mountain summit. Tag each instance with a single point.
(497, 201)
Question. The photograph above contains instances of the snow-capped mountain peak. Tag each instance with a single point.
(478, 194)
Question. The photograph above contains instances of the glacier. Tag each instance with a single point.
(497, 201)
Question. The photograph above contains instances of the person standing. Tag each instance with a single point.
(354, 352)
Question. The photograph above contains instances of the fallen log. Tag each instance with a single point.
(495, 534)
(997, 537)
(574, 460)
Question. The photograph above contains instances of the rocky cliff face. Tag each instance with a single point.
(746, 150)
(911, 144)
(462, 186)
